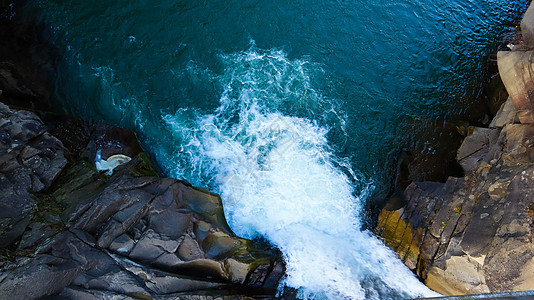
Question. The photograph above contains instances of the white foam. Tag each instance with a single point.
(279, 179)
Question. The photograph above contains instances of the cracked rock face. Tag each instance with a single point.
(515, 68)
(30, 159)
(473, 234)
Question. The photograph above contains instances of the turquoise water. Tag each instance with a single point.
(287, 109)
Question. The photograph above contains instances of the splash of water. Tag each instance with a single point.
(279, 179)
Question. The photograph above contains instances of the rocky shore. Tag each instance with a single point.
(474, 234)
(68, 231)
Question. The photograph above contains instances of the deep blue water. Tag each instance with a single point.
(287, 108)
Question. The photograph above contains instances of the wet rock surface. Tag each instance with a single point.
(132, 234)
(69, 231)
(474, 234)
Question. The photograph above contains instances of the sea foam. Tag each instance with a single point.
(280, 180)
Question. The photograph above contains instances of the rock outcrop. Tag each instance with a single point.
(516, 70)
(475, 234)
(70, 231)
(30, 159)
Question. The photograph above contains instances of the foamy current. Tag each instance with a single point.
(280, 180)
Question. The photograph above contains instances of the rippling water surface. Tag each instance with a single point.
(288, 109)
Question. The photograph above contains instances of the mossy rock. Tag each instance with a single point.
(141, 166)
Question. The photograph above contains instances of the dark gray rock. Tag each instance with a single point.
(476, 148)
(35, 233)
(138, 237)
(13, 84)
(89, 235)
(122, 245)
(30, 159)
(166, 224)
(54, 267)
(86, 294)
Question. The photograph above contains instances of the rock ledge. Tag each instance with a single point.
(475, 234)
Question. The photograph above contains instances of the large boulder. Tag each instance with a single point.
(167, 224)
(515, 70)
(70, 267)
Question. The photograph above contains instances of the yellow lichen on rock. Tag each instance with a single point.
(398, 236)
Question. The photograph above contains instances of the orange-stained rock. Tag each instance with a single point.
(472, 234)
(400, 236)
